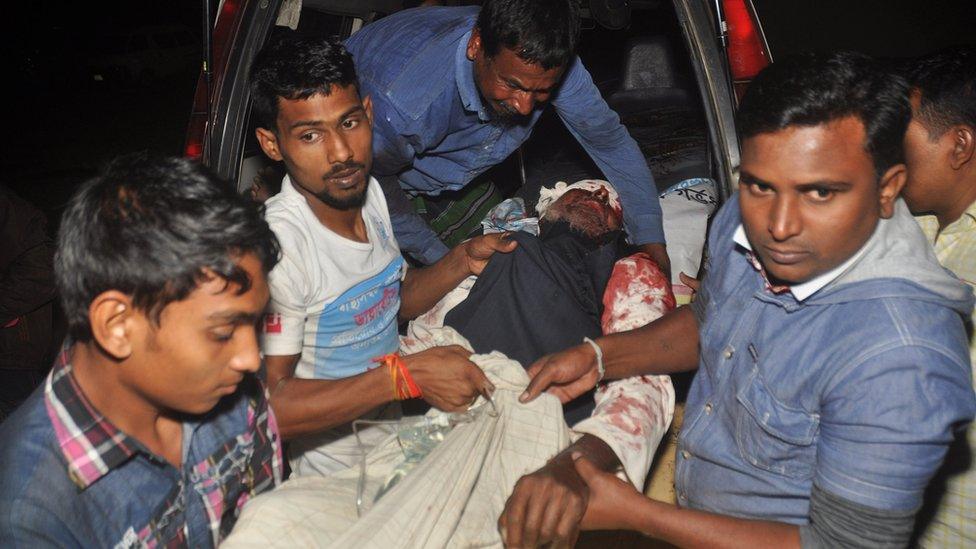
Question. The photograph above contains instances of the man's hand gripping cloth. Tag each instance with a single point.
(451, 498)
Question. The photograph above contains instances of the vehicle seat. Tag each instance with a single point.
(651, 79)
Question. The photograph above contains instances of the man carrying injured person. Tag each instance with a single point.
(553, 291)
(330, 335)
(833, 366)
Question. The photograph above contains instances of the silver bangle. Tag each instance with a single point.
(600, 370)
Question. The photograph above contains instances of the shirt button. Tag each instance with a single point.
(686, 454)
(729, 351)
(708, 408)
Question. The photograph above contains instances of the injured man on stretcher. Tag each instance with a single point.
(456, 479)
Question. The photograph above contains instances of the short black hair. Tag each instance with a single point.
(297, 68)
(151, 227)
(947, 82)
(541, 32)
(813, 89)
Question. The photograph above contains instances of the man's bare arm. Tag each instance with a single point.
(659, 253)
(690, 528)
(615, 504)
(546, 506)
(304, 406)
(448, 380)
(423, 287)
(667, 345)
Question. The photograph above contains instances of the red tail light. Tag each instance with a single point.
(746, 50)
(194, 138)
(196, 129)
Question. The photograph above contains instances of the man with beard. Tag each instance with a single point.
(552, 291)
(457, 89)
(330, 334)
(558, 276)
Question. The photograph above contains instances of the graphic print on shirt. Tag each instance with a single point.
(358, 325)
(380, 228)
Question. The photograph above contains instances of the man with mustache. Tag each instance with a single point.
(330, 335)
(552, 291)
(832, 362)
(457, 89)
(558, 276)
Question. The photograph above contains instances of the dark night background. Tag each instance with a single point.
(65, 124)
(883, 28)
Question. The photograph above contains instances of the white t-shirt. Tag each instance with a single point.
(334, 301)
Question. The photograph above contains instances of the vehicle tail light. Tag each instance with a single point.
(746, 49)
(196, 129)
(194, 148)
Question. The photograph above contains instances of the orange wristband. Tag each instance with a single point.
(404, 386)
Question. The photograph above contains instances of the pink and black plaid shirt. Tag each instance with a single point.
(135, 497)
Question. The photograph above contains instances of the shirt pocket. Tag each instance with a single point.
(773, 436)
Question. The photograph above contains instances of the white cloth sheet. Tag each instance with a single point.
(452, 498)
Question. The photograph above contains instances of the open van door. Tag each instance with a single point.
(220, 103)
(723, 61)
(219, 132)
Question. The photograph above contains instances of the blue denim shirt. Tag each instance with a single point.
(432, 131)
(70, 478)
(858, 388)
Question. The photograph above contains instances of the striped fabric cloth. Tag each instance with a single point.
(456, 215)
